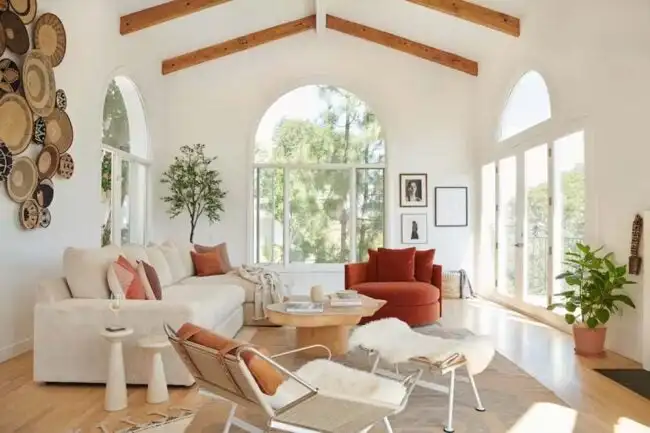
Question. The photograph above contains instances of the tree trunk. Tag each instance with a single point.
(192, 228)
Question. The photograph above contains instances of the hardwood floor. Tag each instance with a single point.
(543, 352)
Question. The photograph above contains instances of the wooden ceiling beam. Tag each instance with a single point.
(408, 46)
(162, 13)
(476, 14)
(237, 45)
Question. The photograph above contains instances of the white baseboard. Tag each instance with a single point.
(15, 349)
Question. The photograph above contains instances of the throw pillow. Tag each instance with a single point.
(371, 275)
(159, 262)
(134, 253)
(207, 264)
(184, 249)
(123, 280)
(396, 265)
(174, 261)
(222, 248)
(150, 281)
(85, 270)
(424, 265)
(266, 376)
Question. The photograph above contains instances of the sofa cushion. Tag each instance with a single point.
(184, 249)
(230, 278)
(222, 248)
(124, 281)
(85, 270)
(396, 265)
(424, 265)
(173, 257)
(207, 264)
(135, 253)
(400, 293)
(371, 273)
(159, 262)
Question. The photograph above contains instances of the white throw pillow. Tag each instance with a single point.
(85, 270)
(174, 261)
(159, 262)
(135, 253)
(185, 255)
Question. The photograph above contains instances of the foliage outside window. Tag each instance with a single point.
(318, 179)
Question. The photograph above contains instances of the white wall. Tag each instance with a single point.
(422, 107)
(95, 52)
(594, 57)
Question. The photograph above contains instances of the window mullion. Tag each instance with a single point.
(353, 215)
(116, 202)
(287, 215)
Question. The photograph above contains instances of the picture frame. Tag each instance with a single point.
(413, 190)
(451, 206)
(415, 229)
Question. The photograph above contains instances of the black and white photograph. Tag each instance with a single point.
(414, 228)
(451, 206)
(413, 190)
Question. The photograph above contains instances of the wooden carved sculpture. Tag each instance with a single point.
(634, 263)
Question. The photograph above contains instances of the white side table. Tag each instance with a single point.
(157, 387)
(115, 398)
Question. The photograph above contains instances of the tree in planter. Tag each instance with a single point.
(194, 187)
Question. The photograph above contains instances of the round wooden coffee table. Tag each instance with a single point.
(330, 328)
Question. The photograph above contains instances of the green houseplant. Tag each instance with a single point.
(194, 187)
(596, 292)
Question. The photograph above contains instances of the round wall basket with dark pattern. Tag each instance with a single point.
(61, 100)
(44, 193)
(4, 5)
(47, 162)
(6, 162)
(17, 122)
(22, 180)
(38, 83)
(58, 130)
(49, 37)
(16, 35)
(39, 130)
(3, 39)
(66, 166)
(9, 77)
(46, 218)
(25, 9)
(30, 214)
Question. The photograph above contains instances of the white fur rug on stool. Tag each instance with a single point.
(396, 343)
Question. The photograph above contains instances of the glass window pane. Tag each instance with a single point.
(488, 225)
(116, 119)
(370, 211)
(268, 215)
(320, 216)
(106, 197)
(125, 204)
(529, 104)
(137, 202)
(507, 252)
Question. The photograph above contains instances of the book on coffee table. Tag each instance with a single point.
(304, 307)
(345, 298)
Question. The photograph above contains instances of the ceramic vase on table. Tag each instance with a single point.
(317, 294)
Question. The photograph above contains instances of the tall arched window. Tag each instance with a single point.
(318, 179)
(124, 165)
(529, 105)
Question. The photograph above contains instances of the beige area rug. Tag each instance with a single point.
(515, 402)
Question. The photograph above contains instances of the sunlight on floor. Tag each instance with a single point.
(626, 425)
(545, 418)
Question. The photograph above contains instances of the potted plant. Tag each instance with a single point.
(596, 284)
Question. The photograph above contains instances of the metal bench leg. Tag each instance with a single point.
(449, 428)
(479, 406)
(389, 428)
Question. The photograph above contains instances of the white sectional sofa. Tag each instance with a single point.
(72, 311)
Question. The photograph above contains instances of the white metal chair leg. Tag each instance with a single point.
(479, 405)
(375, 364)
(389, 428)
(449, 428)
(231, 415)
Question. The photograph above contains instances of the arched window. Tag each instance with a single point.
(318, 179)
(124, 165)
(529, 105)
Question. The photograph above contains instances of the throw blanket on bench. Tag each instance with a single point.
(268, 287)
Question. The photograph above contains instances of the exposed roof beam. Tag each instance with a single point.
(475, 13)
(401, 44)
(162, 13)
(242, 43)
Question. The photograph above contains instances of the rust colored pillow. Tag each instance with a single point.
(371, 276)
(123, 279)
(424, 265)
(207, 264)
(266, 376)
(222, 249)
(396, 265)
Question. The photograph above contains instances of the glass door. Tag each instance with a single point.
(507, 239)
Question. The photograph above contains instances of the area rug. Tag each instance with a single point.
(636, 380)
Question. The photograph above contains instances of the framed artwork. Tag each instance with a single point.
(451, 206)
(413, 190)
(414, 228)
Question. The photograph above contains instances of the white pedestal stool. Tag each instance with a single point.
(115, 398)
(157, 387)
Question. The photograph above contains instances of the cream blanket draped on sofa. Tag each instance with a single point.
(269, 288)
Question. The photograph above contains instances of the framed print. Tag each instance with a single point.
(414, 228)
(451, 206)
(413, 190)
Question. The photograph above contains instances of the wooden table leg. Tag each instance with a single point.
(334, 337)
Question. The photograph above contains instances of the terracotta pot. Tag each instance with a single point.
(589, 342)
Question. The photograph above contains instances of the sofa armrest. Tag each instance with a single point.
(355, 273)
(436, 276)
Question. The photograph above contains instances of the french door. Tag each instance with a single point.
(533, 212)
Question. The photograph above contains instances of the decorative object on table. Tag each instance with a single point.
(61, 100)
(451, 206)
(66, 166)
(44, 193)
(194, 186)
(114, 306)
(38, 83)
(46, 218)
(49, 37)
(594, 291)
(47, 162)
(9, 76)
(634, 262)
(413, 190)
(157, 385)
(39, 131)
(22, 180)
(30, 214)
(58, 130)
(16, 36)
(16, 125)
(316, 293)
(6, 161)
(25, 9)
(116, 398)
(414, 228)
(345, 298)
